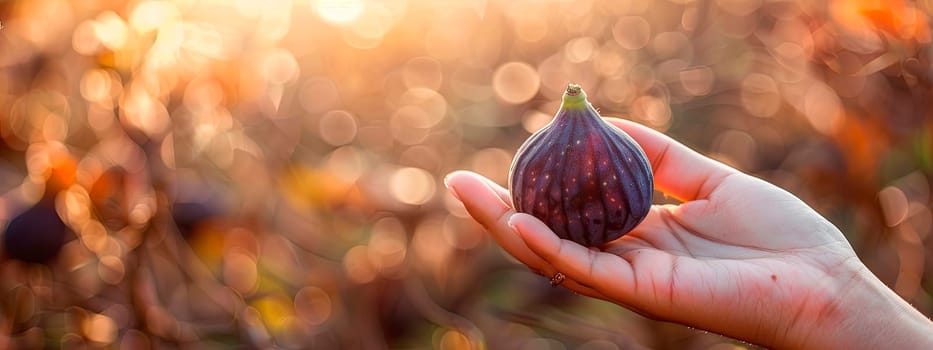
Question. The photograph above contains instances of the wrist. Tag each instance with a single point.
(867, 315)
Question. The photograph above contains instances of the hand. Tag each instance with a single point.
(739, 256)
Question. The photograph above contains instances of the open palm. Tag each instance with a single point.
(739, 256)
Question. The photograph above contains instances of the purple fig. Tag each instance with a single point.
(584, 178)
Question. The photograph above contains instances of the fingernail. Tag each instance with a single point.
(447, 180)
(511, 222)
(453, 191)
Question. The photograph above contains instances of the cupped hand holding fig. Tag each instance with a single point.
(739, 257)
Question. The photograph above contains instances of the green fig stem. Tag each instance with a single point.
(574, 98)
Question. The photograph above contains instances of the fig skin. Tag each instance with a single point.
(586, 179)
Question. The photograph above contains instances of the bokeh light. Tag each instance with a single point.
(313, 305)
(515, 82)
(412, 185)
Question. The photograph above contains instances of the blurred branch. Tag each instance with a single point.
(416, 292)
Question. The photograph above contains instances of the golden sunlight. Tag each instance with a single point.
(338, 11)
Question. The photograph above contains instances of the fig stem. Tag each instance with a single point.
(573, 89)
(574, 98)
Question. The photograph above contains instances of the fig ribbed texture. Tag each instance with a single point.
(583, 177)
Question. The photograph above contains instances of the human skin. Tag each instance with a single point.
(739, 256)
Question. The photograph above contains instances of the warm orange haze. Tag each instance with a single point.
(250, 174)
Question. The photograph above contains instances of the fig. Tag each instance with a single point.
(586, 179)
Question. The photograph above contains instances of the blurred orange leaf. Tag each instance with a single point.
(894, 17)
(314, 188)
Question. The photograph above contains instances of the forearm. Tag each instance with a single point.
(869, 315)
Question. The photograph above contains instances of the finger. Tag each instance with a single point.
(488, 204)
(586, 290)
(470, 182)
(499, 190)
(569, 283)
(678, 170)
(581, 289)
(588, 267)
(598, 274)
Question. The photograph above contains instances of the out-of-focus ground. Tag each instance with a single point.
(242, 174)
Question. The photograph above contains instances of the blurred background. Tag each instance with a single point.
(253, 174)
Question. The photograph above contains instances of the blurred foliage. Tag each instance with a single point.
(269, 173)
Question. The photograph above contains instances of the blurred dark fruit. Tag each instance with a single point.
(586, 179)
(197, 204)
(192, 216)
(36, 235)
